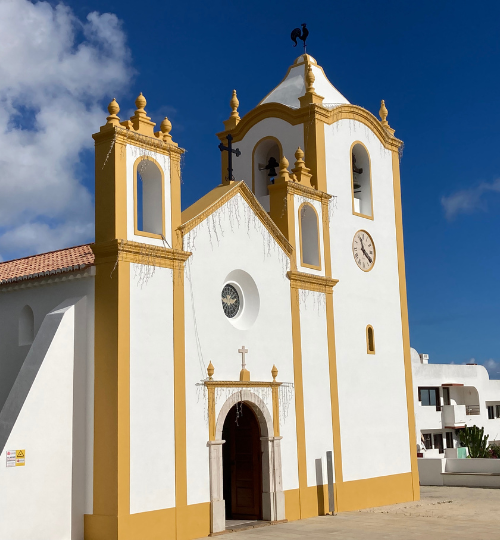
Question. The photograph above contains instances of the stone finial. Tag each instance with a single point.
(140, 103)
(166, 128)
(234, 117)
(310, 78)
(284, 175)
(274, 372)
(383, 112)
(113, 109)
(210, 371)
(234, 105)
(300, 171)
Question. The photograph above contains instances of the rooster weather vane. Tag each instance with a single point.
(301, 34)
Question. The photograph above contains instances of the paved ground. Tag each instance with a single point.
(448, 512)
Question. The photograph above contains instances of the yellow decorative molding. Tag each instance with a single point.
(305, 191)
(135, 252)
(314, 112)
(383, 113)
(310, 282)
(241, 384)
(232, 190)
(284, 175)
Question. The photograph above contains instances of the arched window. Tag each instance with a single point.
(265, 167)
(309, 236)
(26, 326)
(361, 181)
(370, 340)
(149, 198)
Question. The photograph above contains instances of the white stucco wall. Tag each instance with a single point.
(47, 498)
(132, 154)
(372, 394)
(210, 336)
(316, 382)
(152, 438)
(477, 388)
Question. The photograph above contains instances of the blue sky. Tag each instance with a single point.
(434, 63)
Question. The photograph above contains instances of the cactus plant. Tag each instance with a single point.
(475, 441)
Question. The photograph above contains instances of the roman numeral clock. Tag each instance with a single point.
(363, 249)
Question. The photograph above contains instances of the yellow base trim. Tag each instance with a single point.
(185, 523)
(292, 505)
(371, 492)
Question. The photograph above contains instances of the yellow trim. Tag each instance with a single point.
(311, 282)
(374, 250)
(175, 200)
(299, 399)
(276, 411)
(302, 263)
(370, 350)
(219, 196)
(180, 397)
(352, 182)
(138, 232)
(111, 487)
(405, 325)
(253, 155)
(319, 113)
(136, 252)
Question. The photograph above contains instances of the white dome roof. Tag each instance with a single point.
(292, 87)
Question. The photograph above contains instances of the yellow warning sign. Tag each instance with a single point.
(16, 458)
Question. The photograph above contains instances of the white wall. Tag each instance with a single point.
(210, 336)
(152, 438)
(316, 380)
(46, 499)
(133, 153)
(372, 393)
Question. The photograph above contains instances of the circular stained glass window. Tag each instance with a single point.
(230, 301)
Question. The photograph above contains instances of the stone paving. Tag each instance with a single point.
(448, 512)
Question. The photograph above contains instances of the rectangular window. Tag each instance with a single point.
(498, 411)
(446, 396)
(491, 412)
(449, 439)
(427, 441)
(430, 397)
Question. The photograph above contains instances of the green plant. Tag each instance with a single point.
(494, 451)
(475, 440)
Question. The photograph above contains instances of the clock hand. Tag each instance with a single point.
(366, 255)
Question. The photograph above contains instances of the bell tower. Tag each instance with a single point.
(139, 332)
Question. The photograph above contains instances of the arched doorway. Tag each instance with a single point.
(242, 464)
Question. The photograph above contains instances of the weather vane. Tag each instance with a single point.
(297, 33)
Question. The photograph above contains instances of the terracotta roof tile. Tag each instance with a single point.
(53, 262)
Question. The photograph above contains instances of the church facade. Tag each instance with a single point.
(245, 359)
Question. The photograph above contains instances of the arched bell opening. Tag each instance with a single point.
(255, 422)
(361, 181)
(265, 167)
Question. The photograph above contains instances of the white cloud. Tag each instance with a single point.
(493, 366)
(467, 201)
(54, 72)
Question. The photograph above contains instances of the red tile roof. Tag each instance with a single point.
(45, 264)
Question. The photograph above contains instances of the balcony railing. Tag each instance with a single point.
(471, 410)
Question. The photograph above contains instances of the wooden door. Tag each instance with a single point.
(242, 436)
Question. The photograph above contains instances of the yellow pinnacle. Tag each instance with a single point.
(274, 373)
(383, 112)
(210, 370)
(113, 109)
(299, 156)
(310, 78)
(166, 127)
(234, 105)
(140, 103)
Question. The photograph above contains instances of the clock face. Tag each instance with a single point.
(363, 250)
(230, 301)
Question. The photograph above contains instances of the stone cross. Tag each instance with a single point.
(243, 351)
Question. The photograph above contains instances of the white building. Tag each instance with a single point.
(448, 397)
(123, 396)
